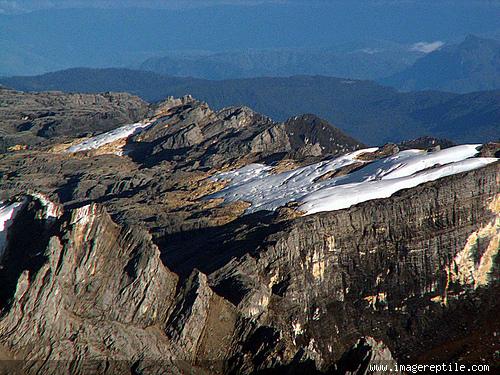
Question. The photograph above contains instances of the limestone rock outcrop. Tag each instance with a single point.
(123, 263)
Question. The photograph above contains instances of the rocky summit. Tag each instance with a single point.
(172, 238)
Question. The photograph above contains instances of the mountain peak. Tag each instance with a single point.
(223, 237)
(472, 40)
(471, 65)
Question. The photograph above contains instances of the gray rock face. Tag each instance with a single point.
(95, 295)
(190, 131)
(32, 118)
(367, 356)
(309, 130)
(379, 269)
(131, 270)
(202, 324)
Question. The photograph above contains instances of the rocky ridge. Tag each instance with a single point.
(134, 270)
(28, 119)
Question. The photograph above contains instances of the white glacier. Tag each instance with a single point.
(109, 137)
(256, 184)
(408, 162)
(7, 214)
(346, 195)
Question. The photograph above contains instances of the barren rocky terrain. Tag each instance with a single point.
(122, 253)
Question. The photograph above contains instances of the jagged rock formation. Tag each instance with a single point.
(189, 132)
(371, 113)
(119, 262)
(87, 289)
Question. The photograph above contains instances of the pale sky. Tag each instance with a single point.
(20, 6)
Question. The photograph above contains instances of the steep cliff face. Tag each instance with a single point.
(128, 256)
(87, 295)
(386, 268)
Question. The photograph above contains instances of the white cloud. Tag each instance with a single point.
(427, 47)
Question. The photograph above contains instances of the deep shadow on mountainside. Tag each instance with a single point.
(372, 113)
(119, 259)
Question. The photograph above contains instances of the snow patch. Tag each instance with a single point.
(344, 196)
(409, 162)
(256, 184)
(8, 213)
(109, 137)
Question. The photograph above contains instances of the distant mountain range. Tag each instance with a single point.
(472, 65)
(369, 60)
(198, 41)
(229, 42)
(50, 40)
(372, 113)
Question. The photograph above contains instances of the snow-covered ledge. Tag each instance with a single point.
(265, 190)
